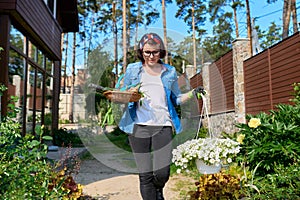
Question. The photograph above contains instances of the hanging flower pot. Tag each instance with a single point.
(209, 154)
(214, 152)
(204, 168)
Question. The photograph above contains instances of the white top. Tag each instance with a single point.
(152, 108)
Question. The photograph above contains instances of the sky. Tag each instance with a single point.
(259, 9)
(265, 14)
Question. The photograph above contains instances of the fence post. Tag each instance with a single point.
(240, 52)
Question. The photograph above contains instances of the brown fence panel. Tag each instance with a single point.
(221, 84)
(285, 69)
(195, 82)
(270, 74)
(227, 74)
(257, 84)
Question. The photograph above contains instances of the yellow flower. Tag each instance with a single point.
(254, 122)
(240, 138)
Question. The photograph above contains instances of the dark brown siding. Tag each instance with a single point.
(269, 76)
(7, 5)
(41, 24)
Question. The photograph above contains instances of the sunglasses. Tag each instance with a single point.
(148, 53)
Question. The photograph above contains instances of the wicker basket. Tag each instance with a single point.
(122, 97)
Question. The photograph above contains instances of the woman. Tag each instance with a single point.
(150, 122)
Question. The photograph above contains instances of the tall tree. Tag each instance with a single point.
(294, 15)
(115, 36)
(65, 65)
(87, 11)
(289, 9)
(143, 14)
(164, 19)
(193, 13)
(216, 9)
(124, 35)
(221, 41)
(269, 37)
(249, 27)
(71, 112)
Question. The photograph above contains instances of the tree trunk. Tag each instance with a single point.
(65, 65)
(249, 31)
(115, 31)
(194, 40)
(294, 16)
(137, 25)
(286, 18)
(165, 29)
(71, 114)
(236, 23)
(128, 25)
(124, 37)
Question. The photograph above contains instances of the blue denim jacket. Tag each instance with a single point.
(173, 93)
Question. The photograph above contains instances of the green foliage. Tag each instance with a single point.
(24, 171)
(119, 138)
(284, 183)
(296, 93)
(269, 37)
(184, 12)
(63, 138)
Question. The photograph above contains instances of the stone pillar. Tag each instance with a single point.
(241, 51)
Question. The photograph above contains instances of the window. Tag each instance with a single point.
(31, 79)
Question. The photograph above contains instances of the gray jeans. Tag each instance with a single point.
(152, 148)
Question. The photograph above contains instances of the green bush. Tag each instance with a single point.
(275, 141)
(284, 183)
(63, 138)
(24, 171)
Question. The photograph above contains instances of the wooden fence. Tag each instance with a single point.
(268, 78)
(269, 75)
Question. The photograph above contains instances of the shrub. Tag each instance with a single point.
(25, 171)
(64, 137)
(284, 183)
(274, 141)
(217, 186)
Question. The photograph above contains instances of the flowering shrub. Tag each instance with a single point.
(275, 140)
(210, 150)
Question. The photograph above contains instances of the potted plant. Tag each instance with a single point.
(209, 154)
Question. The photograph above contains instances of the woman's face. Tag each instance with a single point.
(151, 54)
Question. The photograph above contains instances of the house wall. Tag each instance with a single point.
(41, 25)
(35, 21)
